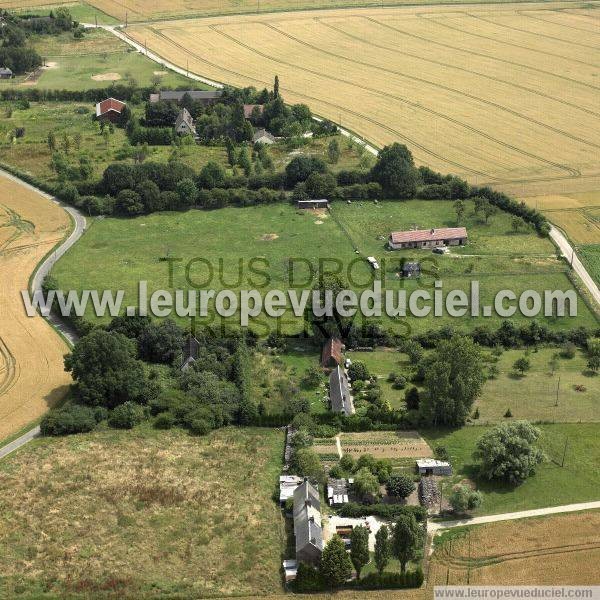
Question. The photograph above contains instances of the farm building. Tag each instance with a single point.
(312, 204)
(428, 238)
(307, 523)
(184, 125)
(253, 109)
(430, 466)
(5, 73)
(337, 491)
(331, 356)
(339, 392)
(411, 269)
(287, 486)
(207, 97)
(262, 136)
(109, 110)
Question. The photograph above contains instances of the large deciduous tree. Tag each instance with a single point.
(508, 452)
(454, 377)
(395, 171)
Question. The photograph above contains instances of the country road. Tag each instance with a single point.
(565, 247)
(37, 279)
(524, 514)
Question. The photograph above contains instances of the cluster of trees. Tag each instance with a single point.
(14, 51)
(57, 21)
(403, 541)
(115, 380)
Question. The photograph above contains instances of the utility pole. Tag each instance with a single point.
(441, 495)
(126, 17)
(557, 390)
(565, 452)
(96, 19)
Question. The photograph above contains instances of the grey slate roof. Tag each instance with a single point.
(177, 96)
(339, 391)
(307, 523)
(184, 116)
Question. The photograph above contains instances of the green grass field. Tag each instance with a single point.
(590, 256)
(96, 61)
(83, 13)
(552, 485)
(532, 396)
(275, 234)
(142, 513)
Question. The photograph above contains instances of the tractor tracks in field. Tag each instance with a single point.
(415, 105)
(480, 54)
(446, 65)
(438, 21)
(441, 86)
(527, 14)
(8, 374)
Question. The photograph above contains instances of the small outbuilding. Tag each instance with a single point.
(411, 269)
(6, 73)
(304, 204)
(190, 352)
(287, 487)
(262, 136)
(431, 466)
(110, 110)
(337, 491)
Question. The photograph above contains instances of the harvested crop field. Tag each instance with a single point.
(470, 91)
(32, 375)
(142, 514)
(561, 550)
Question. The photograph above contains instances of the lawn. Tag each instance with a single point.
(96, 61)
(276, 234)
(552, 485)
(590, 256)
(539, 394)
(142, 514)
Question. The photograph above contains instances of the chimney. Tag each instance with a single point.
(432, 231)
(307, 503)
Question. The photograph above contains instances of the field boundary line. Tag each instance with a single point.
(35, 284)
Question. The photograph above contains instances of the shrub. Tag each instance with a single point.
(387, 581)
(400, 486)
(399, 382)
(72, 418)
(126, 415)
(164, 420)
(199, 426)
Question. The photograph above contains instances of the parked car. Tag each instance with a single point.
(440, 250)
(373, 261)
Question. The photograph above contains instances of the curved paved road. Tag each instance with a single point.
(36, 284)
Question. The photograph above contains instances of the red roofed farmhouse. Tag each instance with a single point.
(428, 238)
(109, 109)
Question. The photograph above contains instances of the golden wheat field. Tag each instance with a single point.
(562, 549)
(498, 94)
(32, 376)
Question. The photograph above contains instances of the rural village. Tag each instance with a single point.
(231, 146)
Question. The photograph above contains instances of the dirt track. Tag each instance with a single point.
(32, 376)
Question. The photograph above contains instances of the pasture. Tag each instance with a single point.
(552, 484)
(32, 376)
(462, 94)
(275, 234)
(95, 61)
(143, 513)
(556, 550)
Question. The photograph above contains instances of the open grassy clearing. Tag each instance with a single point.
(462, 96)
(92, 62)
(134, 248)
(552, 485)
(143, 514)
(590, 255)
(533, 396)
(32, 376)
(560, 549)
